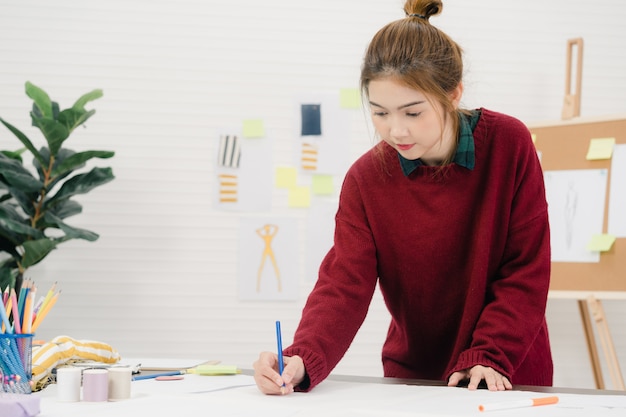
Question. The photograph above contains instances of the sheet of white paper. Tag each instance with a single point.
(237, 396)
(576, 209)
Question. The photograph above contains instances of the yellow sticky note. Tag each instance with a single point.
(534, 137)
(350, 98)
(601, 243)
(322, 184)
(299, 197)
(253, 128)
(600, 148)
(286, 177)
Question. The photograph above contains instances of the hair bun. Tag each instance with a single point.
(422, 9)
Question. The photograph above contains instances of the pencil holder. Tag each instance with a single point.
(16, 363)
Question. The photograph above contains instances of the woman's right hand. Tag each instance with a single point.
(269, 381)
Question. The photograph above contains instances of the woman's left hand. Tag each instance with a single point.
(495, 380)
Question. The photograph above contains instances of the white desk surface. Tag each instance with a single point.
(236, 395)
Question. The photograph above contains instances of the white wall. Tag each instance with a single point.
(162, 279)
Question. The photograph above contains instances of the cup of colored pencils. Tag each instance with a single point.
(20, 315)
(15, 360)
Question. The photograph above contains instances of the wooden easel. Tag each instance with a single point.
(591, 312)
(571, 102)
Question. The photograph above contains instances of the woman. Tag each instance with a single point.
(448, 214)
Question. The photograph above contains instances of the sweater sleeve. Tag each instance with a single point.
(514, 313)
(339, 302)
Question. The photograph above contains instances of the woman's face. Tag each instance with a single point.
(407, 120)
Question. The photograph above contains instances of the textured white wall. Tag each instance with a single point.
(162, 279)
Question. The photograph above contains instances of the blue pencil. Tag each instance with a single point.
(279, 341)
(150, 376)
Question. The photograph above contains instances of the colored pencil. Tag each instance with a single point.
(45, 310)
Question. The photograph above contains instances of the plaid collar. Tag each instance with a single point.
(464, 155)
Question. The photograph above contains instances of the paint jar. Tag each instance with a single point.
(68, 383)
(95, 385)
(119, 383)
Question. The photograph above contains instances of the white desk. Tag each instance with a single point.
(237, 395)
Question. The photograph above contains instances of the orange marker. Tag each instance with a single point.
(531, 402)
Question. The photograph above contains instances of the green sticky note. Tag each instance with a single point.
(322, 184)
(299, 197)
(286, 177)
(214, 370)
(350, 98)
(601, 243)
(253, 128)
(600, 148)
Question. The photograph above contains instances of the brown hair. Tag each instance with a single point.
(418, 55)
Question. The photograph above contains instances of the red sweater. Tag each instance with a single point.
(462, 258)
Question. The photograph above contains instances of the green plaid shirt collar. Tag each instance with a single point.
(464, 151)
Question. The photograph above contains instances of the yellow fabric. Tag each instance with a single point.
(63, 349)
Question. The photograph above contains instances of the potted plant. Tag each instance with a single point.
(34, 203)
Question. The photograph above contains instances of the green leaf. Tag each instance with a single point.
(81, 184)
(71, 232)
(7, 276)
(54, 132)
(66, 208)
(9, 211)
(25, 201)
(41, 99)
(9, 246)
(78, 159)
(15, 175)
(39, 115)
(24, 139)
(72, 118)
(36, 250)
(17, 155)
(19, 228)
(86, 98)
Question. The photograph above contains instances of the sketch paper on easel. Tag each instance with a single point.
(576, 210)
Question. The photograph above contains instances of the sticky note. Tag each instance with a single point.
(534, 137)
(322, 184)
(299, 197)
(214, 370)
(350, 98)
(600, 148)
(286, 177)
(253, 128)
(600, 243)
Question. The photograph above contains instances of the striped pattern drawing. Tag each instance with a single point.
(228, 188)
(229, 153)
(309, 157)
